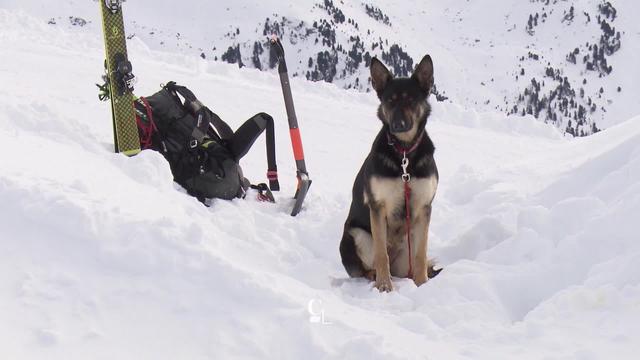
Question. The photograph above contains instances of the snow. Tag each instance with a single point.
(104, 257)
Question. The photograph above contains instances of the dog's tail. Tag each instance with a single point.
(350, 259)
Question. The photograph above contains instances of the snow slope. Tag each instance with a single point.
(103, 257)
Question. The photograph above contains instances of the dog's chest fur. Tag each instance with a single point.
(389, 194)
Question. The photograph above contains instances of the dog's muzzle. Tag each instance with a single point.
(400, 124)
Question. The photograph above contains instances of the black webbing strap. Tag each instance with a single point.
(272, 168)
(202, 113)
(222, 128)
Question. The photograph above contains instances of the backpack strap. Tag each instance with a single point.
(272, 168)
(224, 130)
(244, 138)
(148, 131)
(205, 117)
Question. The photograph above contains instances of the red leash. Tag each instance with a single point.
(407, 203)
(406, 178)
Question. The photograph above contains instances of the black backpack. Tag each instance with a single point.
(193, 140)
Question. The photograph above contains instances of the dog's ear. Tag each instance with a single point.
(424, 74)
(380, 75)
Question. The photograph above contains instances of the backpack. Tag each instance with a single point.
(193, 140)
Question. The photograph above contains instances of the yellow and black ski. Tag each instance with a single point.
(119, 78)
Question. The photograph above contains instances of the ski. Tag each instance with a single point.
(294, 131)
(119, 79)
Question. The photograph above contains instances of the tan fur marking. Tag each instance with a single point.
(388, 194)
(423, 190)
(420, 231)
(380, 256)
(407, 136)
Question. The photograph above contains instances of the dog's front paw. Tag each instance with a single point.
(420, 278)
(384, 284)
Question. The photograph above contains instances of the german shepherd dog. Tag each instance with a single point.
(387, 227)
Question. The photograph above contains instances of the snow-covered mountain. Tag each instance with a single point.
(104, 257)
(571, 63)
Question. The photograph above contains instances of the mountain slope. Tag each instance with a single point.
(102, 256)
(568, 63)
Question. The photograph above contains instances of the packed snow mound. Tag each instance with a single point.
(103, 256)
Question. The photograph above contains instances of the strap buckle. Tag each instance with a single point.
(264, 194)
